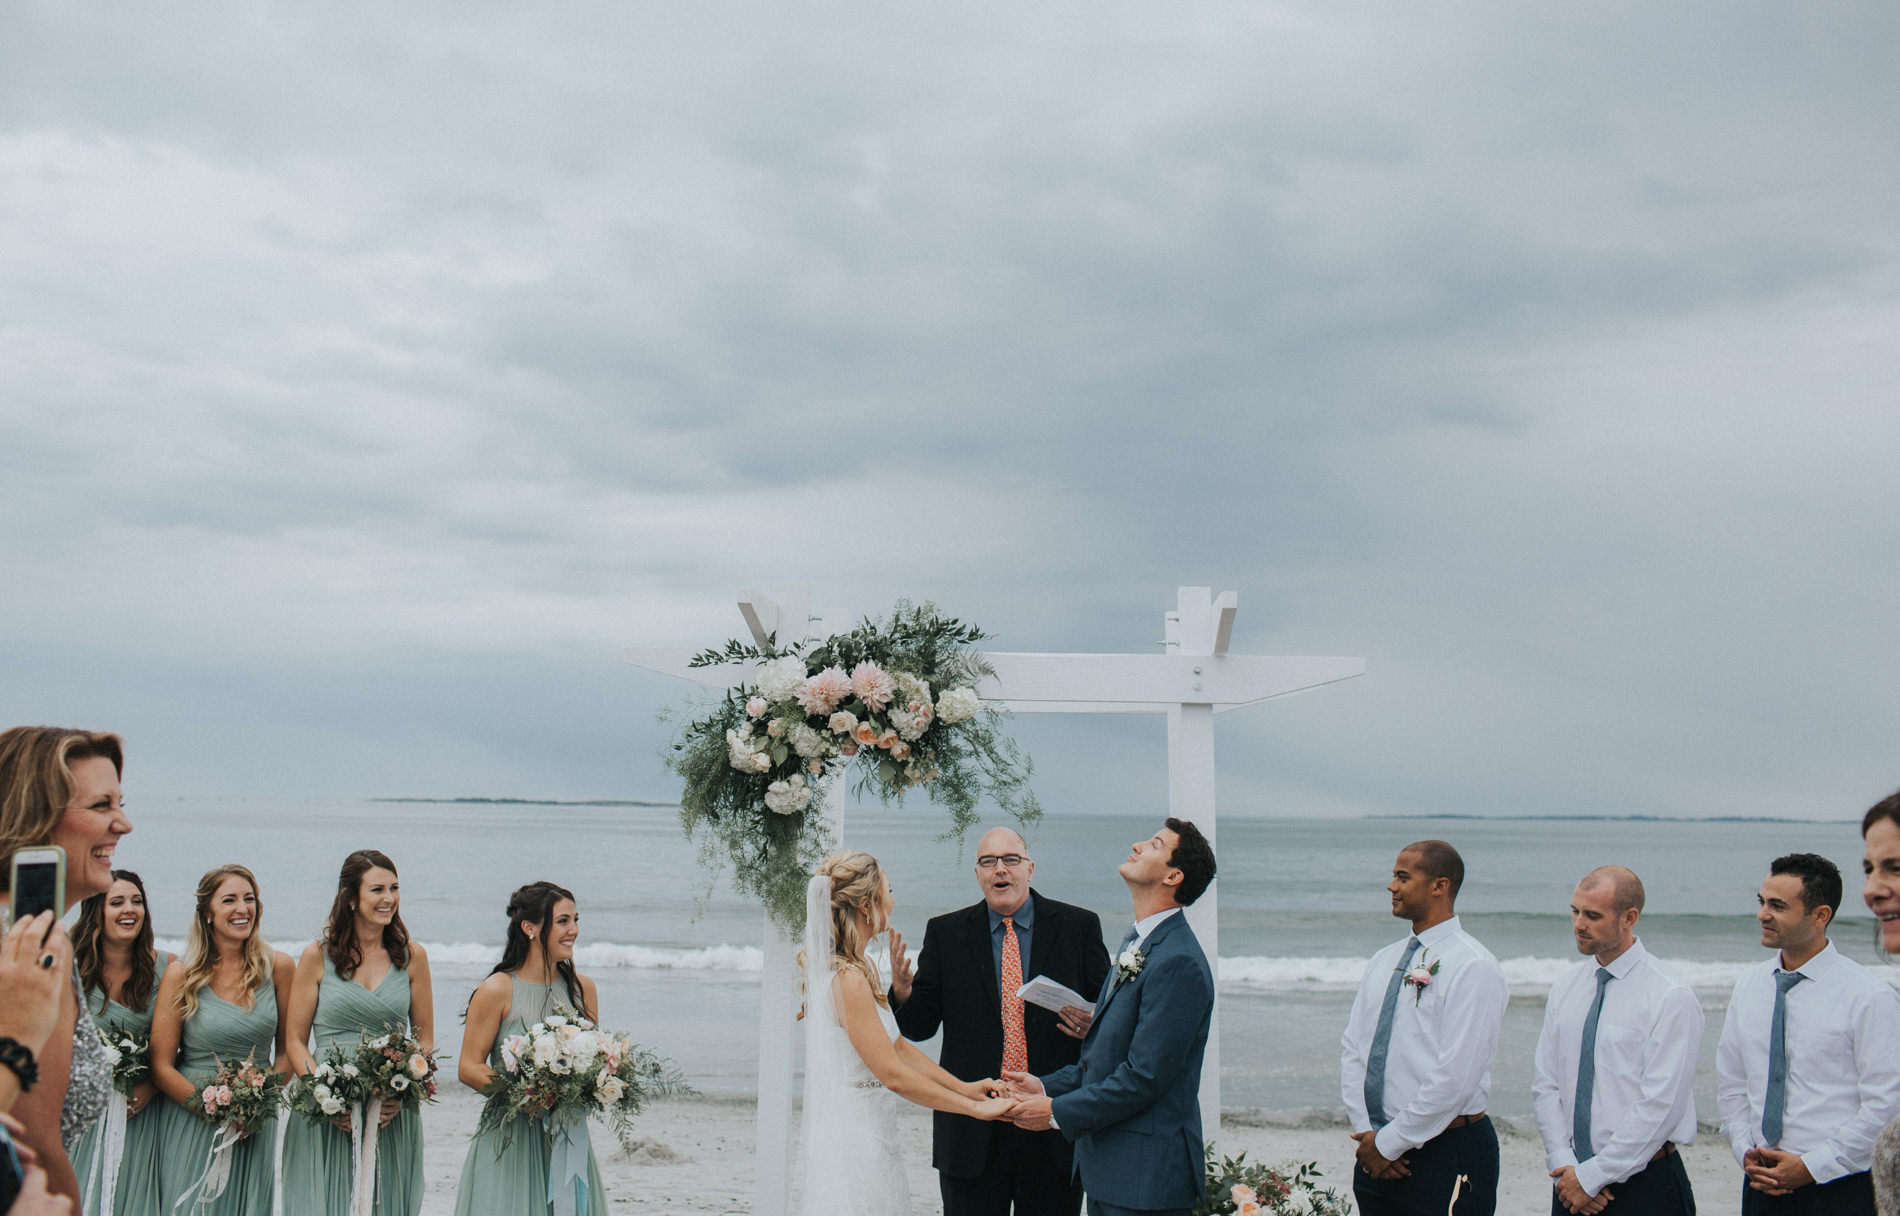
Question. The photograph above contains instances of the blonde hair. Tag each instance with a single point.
(36, 780)
(201, 946)
(857, 880)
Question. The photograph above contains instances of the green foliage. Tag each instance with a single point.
(956, 764)
(1284, 1190)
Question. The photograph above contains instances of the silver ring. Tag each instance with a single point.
(46, 962)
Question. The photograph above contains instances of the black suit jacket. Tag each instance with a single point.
(956, 990)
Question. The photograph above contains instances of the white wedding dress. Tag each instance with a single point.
(850, 1158)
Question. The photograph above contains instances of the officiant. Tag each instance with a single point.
(973, 963)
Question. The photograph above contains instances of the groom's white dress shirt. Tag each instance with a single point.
(1146, 925)
(1842, 1035)
(1444, 1038)
(1649, 1033)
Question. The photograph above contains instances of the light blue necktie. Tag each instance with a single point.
(1587, 1074)
(1775, 1102)
(1382, 1038)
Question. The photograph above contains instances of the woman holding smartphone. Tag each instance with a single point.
(61, 787)
(361, 979)
(221, 1005)
(119, 971)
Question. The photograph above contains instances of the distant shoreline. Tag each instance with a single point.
(525, 801)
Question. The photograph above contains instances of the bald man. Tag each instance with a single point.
(1614, 1085)
(973, 962)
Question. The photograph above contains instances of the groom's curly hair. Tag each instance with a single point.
(1194, 857)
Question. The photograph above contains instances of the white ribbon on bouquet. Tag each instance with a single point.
(217, 1173)
(104, 1180)
(365, 1118)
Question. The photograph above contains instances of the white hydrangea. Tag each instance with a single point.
(788, 797)
(806, 741)
(780, 677)
(958, 705)
(742, 752)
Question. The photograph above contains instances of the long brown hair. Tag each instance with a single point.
(339, 935)
(201, 944)
(534, 903)
(89, 948)
(36, 780)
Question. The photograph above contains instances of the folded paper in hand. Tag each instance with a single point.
(1050, 995)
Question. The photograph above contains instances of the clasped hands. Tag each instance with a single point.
(1018, 1097)
(1774, 1171)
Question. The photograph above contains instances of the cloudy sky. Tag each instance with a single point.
(369, 375)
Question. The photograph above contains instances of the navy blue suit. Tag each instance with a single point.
(1132, 1104)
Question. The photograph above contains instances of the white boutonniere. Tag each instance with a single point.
(1128, 965)
(1419, 976)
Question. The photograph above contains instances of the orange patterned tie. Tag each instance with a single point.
(1015, 1046)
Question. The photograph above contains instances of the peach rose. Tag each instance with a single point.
(865, 734)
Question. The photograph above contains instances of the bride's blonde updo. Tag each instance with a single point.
(857, 884)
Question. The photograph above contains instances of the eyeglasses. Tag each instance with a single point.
(1008, 861)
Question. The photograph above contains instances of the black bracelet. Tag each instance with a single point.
(15, 1055)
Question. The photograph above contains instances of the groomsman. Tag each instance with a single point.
(1614, 1083)
(1808, 1067)
(1415, 1065)
(973, 963)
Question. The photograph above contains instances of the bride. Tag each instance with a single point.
(855, 1061)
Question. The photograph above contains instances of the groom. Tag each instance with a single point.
(1132, 1103)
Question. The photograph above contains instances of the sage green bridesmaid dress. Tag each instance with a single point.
(506, 1173)
(137, 1193)
(219, 1032)
(318, 1169)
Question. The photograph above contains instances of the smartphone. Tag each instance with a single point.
(38, 882)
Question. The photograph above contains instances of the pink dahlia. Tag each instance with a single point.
(872, 683)
(820, 693)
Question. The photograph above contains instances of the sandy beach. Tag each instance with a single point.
(695, 1156)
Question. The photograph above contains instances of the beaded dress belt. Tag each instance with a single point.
(871, 1084)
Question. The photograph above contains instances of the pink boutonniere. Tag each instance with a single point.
(1419, 976)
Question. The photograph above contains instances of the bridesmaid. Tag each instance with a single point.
(119, 969)
(506, 1173)
(364, 978)
(220, 1005)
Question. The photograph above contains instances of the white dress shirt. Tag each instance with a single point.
(1842, 1033)
(1444, 1037)
(1649, 1034)
(1146, 925)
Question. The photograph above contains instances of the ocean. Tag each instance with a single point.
(1302, 904)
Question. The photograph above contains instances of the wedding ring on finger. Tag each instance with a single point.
(46, 962)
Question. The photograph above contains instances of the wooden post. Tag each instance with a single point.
(788, 620)
(1195, 630)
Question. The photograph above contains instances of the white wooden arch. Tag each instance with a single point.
(1191, 681)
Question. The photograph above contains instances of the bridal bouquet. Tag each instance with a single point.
(1234, 1186)
(396, 1068)
(131, 1056)
(327, 1091)
(236, 1100)
(893, 702)
(240, 1096)
(565, 1069)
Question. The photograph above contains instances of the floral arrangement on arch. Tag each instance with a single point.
(894, 702)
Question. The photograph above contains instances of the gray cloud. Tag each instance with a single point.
(366, 381)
